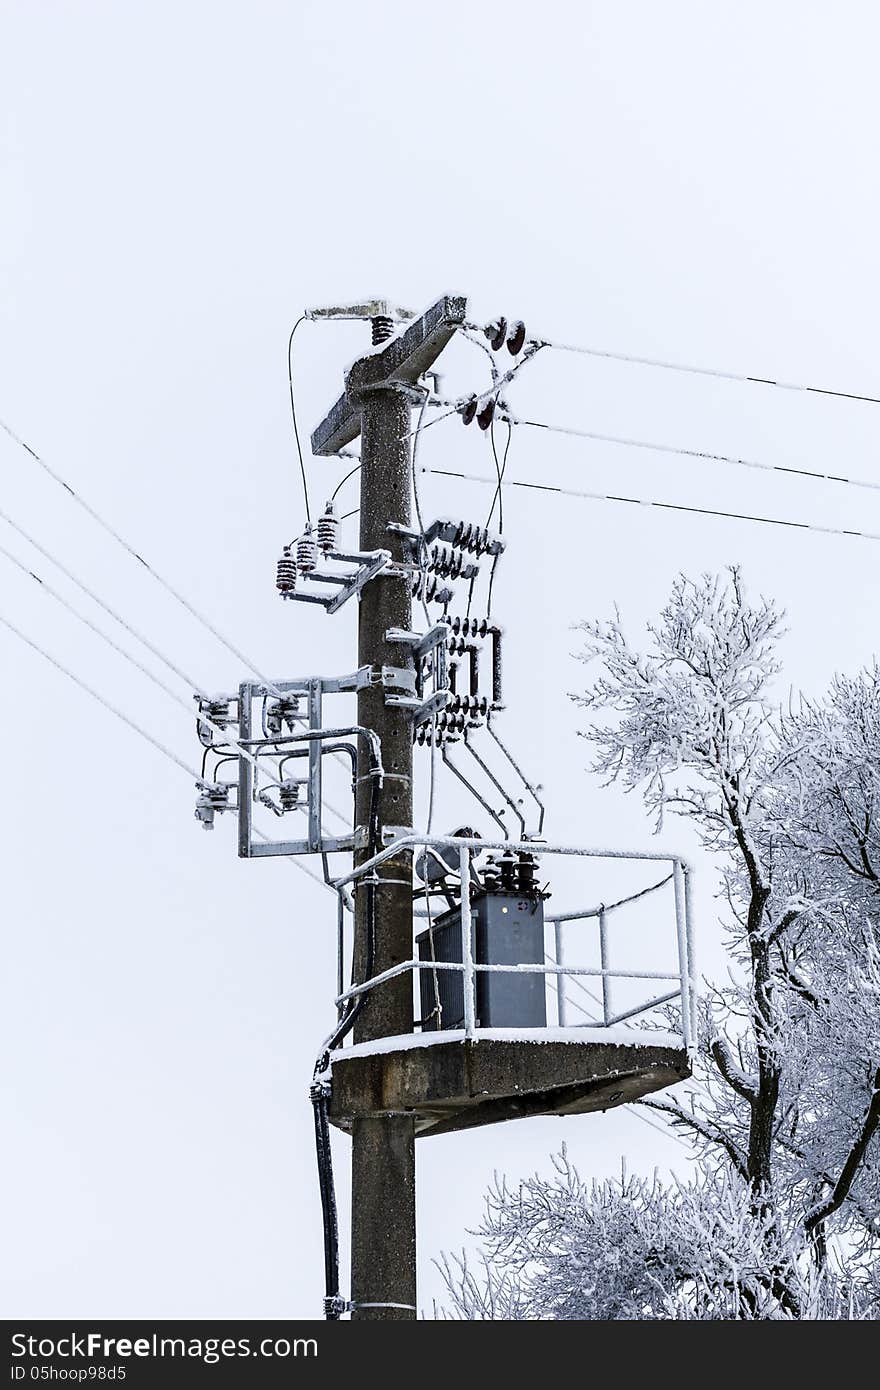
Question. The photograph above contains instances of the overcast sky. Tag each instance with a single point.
(179, 181)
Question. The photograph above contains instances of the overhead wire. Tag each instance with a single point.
(663, 506)
(453, 407)
(104, 605)
(133, 724)
(112, 612)
(130, 550)
(692, 370)
(339, 486)
(102, 700)
(691, 453)
(133, 661)
(423, 576)
(302, 466)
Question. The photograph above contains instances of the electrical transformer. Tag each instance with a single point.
(507, 928)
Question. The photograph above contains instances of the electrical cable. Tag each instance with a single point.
(203, 718)
(663, 506)
(159, 578)
(120, 714)
(692, 453)
(422, 548)
(454, 406)
(341, 485)
(106, 607)
(500, 470)
(150, 738)
(295, 862)
(707, 371)
(319, 1092)
(302, 467)
(117, 617)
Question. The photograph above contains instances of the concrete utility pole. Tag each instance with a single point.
(377, 405)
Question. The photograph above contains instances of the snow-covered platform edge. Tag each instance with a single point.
(613, 1037)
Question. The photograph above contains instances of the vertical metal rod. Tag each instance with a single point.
(315, 767)
(245, 773)
(691, 948)
(467, 952)
(683, 963)
(340, 952)
(561, 980)
(607, 1010)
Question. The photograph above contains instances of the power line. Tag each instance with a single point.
(138, 665)
(341, 485)
(120, 540)
(102, 603)
(105, 525)
(138, 729)
(120, 714)
(664, 506)
(124, 624)
(689, 453)
(707, 371)
(302, 467)
(454, 406)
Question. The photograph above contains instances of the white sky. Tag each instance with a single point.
(178, 182)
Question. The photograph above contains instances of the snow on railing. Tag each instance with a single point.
(557, 972)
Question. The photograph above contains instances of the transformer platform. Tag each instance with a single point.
(449, 1082)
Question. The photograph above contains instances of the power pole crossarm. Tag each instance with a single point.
(403, 360)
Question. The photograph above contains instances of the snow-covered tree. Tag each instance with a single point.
(782, 1218)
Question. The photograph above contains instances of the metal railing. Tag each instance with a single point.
(557, 972)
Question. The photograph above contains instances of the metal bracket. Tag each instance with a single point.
(421, 643)
(395, 678)
(369, 565)
(421, 709)
(446, 529)
(390, 834)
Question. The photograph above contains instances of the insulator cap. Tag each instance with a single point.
(327, 529)
(469, 410)
(382, 326)
(486, 415)
(516, 337)
(306, 552)
(285, 574)
(288, 794)
(282, 712)
(496, 332)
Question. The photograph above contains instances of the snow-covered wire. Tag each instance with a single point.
(663, 506)
(138, 665)
(108, 705)
(302, 466)
(704, 454)
(104, 605)
(706, 371)
(123, 622)
(296, 861)
(420, 518)
(453, 407)
(339, 486)
(138, 729)
(130, 550)
(500, 470)
(118, 617)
